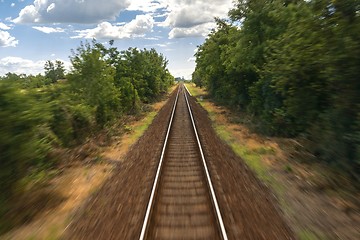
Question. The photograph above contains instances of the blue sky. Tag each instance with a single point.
(33, 31)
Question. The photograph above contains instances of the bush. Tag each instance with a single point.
(21, 144)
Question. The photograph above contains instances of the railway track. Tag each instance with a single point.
(182, 203)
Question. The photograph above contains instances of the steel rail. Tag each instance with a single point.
(158, 172)
(213, 195)
(149, 206)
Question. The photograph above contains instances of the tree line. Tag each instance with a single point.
(58, 110)
(294, 65)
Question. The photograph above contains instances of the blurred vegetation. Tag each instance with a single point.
(41, 113)
(294, 66)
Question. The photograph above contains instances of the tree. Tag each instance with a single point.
(59, 70)
(294, 65)
(92, 79)
(54, 71)
(21, 144)
(144, 73)
(50, 70)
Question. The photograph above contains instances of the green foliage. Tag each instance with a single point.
(210, 70)
(295, 66)
(22, 143)
(129, 97)
(114, 81)
(54, 71)
(92, 79)
(26, 81)
(39, 113)
(144, 74)
(82, 121)
(61, 125)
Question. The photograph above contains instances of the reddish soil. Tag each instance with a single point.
(117, 210)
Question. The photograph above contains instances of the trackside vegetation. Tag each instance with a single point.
(292, 65)
(56, 110)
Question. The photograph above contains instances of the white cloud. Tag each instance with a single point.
(71, 11)
(161, 15)
(197, 31)
(182, 72)
(28, 14)
(20, 65)
(6, 40)
(147, 6)
(186, 17)
(164, 45)
(3, 26)
(193, 18)
(136, 28)
(161, 45)
(50, 7)
(12, 5)
(185, 14)
(49, 29)
(140, 25)
(153, 38)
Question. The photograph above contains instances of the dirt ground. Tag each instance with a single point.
(313, 207)
(62, 200)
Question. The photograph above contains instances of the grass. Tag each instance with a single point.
(54, 234)
(309, 235)
(144, 123)
(288, 168)
(252, 157)
(196, 92)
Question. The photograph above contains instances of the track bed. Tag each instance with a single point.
(182, 207)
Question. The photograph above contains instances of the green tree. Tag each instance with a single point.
(50, 70)
(21, 143)
(54, 71)
(59, 70)
(92, 79)
(141, 75)
(294, 65)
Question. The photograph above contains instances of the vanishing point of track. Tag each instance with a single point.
(182, 203)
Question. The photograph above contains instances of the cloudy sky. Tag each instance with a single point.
(33, 31)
